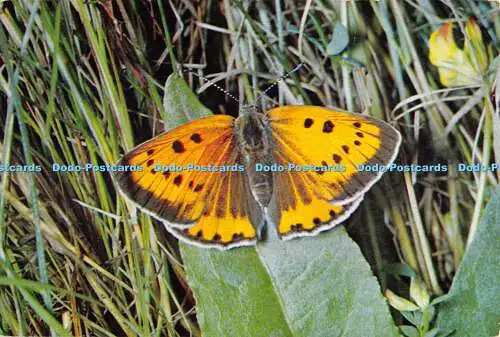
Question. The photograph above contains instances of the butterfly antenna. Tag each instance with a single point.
(279, 80)
(213, 84)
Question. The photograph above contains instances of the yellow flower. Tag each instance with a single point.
(474, 46)
(458, 67)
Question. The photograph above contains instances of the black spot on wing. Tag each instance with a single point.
(328, 126)
(195, 137)
(178, 180)
(308, 122)
(178, 146)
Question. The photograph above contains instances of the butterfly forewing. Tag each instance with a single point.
(339, 140)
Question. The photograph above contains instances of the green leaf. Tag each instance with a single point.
(418, 293)
(318, 286)
(409, 331)
(180, 103)
(234, 294)
(432, 333)
(430, 312)
(339, 41)
(414, 317)
(471, 307)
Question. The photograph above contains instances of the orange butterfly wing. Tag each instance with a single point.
(311, 201)
(206, 208)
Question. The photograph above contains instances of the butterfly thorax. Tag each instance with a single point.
(250, 129)
(252, 134)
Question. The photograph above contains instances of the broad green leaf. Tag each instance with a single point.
(180, 103)
(339, 41)
(318, 286)
(234, 293)
(471, 307)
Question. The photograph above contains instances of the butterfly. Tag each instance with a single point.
(219, 181)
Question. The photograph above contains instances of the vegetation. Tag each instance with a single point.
(84, 81)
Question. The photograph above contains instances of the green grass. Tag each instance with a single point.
(83, 81)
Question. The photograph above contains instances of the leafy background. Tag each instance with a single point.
(85, 81)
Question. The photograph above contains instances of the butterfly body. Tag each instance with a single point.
(221, 197)
(252, 134)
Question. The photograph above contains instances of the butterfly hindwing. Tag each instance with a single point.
(231, 219)
(297, 210)
(196, 204)
(334, 139)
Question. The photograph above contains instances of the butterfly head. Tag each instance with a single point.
(249, 109)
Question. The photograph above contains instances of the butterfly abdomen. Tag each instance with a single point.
(260, 181)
